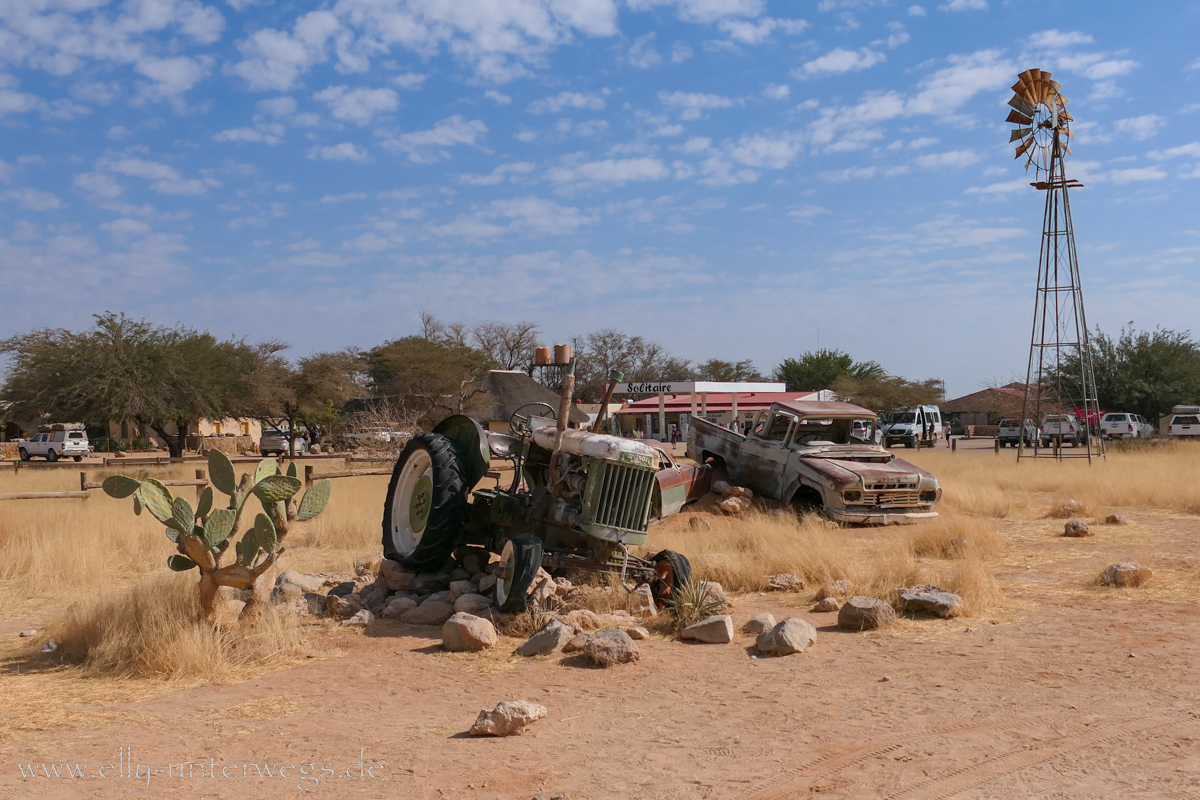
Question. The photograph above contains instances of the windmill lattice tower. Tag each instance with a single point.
(1060, 378)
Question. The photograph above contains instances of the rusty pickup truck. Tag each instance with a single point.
(819, 453)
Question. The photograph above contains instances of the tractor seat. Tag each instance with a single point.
(502, 445)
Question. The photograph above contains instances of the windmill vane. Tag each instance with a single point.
(1039, 111)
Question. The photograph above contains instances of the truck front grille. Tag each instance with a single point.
(891, 499)
(624, 497)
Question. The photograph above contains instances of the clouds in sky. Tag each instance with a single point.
(483, 156)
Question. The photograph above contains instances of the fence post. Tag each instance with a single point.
(953, 445)
(82, 481)
(200, 476)
(308, 473)
(996, 446)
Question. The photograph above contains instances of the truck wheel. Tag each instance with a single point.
(674, 570)
(77, 459)
(426, 503)
(24, 454)
(519, 562)
(51, 455)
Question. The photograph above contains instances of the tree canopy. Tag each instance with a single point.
(728, 371)
(429, 378)
(1140, 372)
(819, 369)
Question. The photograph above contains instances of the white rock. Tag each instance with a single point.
(30, 632)
(717, 629)
(641, 602)
(433, 612)
(790, 636)
(459, 588)
(466, 632)
(547, 640)
(760, 624)
(472, 603)
(508, 718)
(361, 619)
(397, 606)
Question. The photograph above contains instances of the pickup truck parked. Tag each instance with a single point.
(1125, 426)
(818, 453)
(1066, 428)
(55, 444)
(1011, 433)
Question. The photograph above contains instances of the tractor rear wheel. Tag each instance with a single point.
(426, 504)
(674, 570)
(519, 563)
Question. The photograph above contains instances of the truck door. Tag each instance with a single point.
(765, 454)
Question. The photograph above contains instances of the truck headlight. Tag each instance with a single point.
(852, 497)
(928, 496)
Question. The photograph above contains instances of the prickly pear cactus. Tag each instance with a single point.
(203, 535)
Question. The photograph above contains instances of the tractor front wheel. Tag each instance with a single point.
(426, 504)
(673, 570)
(519, 563)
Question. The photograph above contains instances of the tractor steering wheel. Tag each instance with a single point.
(518, 423)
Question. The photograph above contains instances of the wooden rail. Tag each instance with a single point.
(310, 476)
(86, 487)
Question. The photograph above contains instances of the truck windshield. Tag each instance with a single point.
(907, 416)
(833, 431)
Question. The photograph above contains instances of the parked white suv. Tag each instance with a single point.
(1125, 426)
(53, 445)
(275, 442)
(1065, 427)
(1185, 423)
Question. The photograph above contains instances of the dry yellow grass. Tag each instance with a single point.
(986, 485)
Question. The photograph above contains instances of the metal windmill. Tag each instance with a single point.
(1060, 378)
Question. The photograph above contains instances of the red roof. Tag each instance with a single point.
(748, 401)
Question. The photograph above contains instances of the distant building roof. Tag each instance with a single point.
(1000, 399)
(723, 401)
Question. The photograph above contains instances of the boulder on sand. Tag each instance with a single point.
(865, 614)
(508, 718)
(793, 635)
(717, 629)
(611, 646)
(467, 633)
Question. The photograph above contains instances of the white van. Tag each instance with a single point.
(54, 444)
(915, 427)
(1184, 423)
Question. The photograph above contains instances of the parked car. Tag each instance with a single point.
(275, 442)
(376, 435)
(53, 445)
(920, 426)
(1184, 425)
(1011, 433)
(1065, 428)
(1125, 426)
(676, 485)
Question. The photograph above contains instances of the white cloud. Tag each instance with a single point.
(668, 130)
(839, 61)
(916, 11)
(409, 80)
(762, 151)
(806, 214)
(171, 76)
(562, 100)
(692, 105)
(1191, 150)
(697, 144)
(705, 11)
(1005, 187)
(164, 178)
(924, 141)
(757, 31)
(1140, 128)
(610, 171)
(346, 151)
(849, 174)
(777, 91)
(33, 199)
(642, 52)
(274, 59)
(126, 227)
(98, 184)
(1055, 39)
(358, 106)
(1136, 174)
(425, 147)
(530, 216)
(499, 98)
(965, 5)
(680, 53)
(954, 159)
(525, 136)
(342, 198)
(1194, 65)
(6, 171)
(499, 174)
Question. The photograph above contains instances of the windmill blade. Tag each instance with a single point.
(1067, 148)
(1019, 86)
(1061, 100)
(1019, 104)
(1055, 85)
(1066, 115)
(1019, 118)
(1024, 146)
(1035, 75)
(1026, 76)
(1019, 133)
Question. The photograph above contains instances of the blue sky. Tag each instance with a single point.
(730, 177)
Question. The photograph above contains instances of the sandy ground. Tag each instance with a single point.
(1071, 691)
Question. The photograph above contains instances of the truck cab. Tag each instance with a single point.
(56, 443)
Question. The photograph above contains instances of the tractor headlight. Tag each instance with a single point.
(852, 497)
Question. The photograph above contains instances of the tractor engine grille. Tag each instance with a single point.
(623, 499)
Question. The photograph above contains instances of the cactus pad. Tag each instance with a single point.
(219, 526)
(276, 488)
(120, 486)
(157, 499)
(220, 471)
(268, 466)
(180, 563)
(315, 499)
(204, 505)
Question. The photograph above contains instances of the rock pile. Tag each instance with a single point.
(785, 582)
(737, 498)
(465, 585)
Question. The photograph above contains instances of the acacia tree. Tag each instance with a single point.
(883, 394)
(728, 371)
(125, 370)
(599, 353)
(426, 377)
(818, 369)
